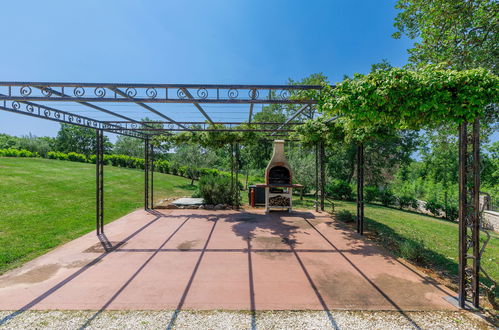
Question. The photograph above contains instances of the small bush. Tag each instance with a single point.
(451, 212)
(57, 155)
(371, 193)
(215, 189)
(386, 197)
(339, 189)
(10, 152)
(412, 250)
(406, 201)
(433, 207)
(345, 216)
(75, 157)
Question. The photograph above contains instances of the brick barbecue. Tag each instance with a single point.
(278, 181)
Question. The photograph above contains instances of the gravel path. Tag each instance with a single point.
(240, 320)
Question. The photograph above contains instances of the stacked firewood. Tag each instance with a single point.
(279, 201)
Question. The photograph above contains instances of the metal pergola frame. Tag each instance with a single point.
(29, 99)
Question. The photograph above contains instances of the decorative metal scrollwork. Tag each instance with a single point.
(253, 94)
(100, 92)
(70, 118)
(46, 91)
(133, 125)
(16, 105)
(202, 93)
(57, 114)
(285, 94)
(151, 93)
(25, 91)
(46, 113)
(181, 94)
(30, 108)
(232, 93)
(131, 92)
(78, 91)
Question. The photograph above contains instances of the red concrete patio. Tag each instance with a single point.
(200, 259)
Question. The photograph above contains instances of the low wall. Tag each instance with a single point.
(491, 220)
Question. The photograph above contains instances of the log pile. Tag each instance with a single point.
(279, 201)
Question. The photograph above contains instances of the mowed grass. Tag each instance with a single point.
(439, 237)
(44, 203)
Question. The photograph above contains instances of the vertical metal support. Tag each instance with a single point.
(232, 172)
(236, 181)
(316, 177)
(469, 213)
(323, 174)
(360, 189)
(99, 181)
(151, 155)
(146, 174)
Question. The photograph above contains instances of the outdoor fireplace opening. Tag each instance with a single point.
(279, 175)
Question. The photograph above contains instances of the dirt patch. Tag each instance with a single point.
(408, 292)
(99, 248)
(35, 275)
(187, 245)
(348, 288)
(79, 263)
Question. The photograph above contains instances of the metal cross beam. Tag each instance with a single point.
(157, 93)
(145, 106)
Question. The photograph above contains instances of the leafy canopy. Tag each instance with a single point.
(384, 101)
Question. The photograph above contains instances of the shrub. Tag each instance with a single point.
(451, 212)
(433, 207)
(57, 155)
(412, 250)
(371, 193)
(75, 157)
(406, 201)
(215, 189)
(10, 152)
(345, 216)
(386, 197)
(339, 189)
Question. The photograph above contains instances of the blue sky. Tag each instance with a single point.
(251, 42)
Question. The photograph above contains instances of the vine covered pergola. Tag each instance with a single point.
(358, 110)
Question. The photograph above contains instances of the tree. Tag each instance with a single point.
(72, 138)
(130, 146)
(193, 157)
(463, 34)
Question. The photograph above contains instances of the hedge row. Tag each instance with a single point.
(162, 166)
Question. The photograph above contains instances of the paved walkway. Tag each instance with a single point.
(207, 260)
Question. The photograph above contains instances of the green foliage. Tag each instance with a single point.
(460, 33)
(451, 212)
(72, 138)
(345, 216)
(371, 193)
(17, 153)
(75, 157)
(339, 189)
(413, 250)
(386, 197)
(433, 207)
(370, 106)
(215, 189)
(406, 201)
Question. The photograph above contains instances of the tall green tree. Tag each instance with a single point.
(72, 138)
(464, 34)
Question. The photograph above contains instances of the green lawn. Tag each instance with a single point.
(439, 237)
(44, 203)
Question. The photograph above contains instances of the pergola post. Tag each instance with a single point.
(316, 177)
(236, 182)
(99, 180)
(151, 156)
(360, 189)
(146, 173)
(469, 213)
(323, 173)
